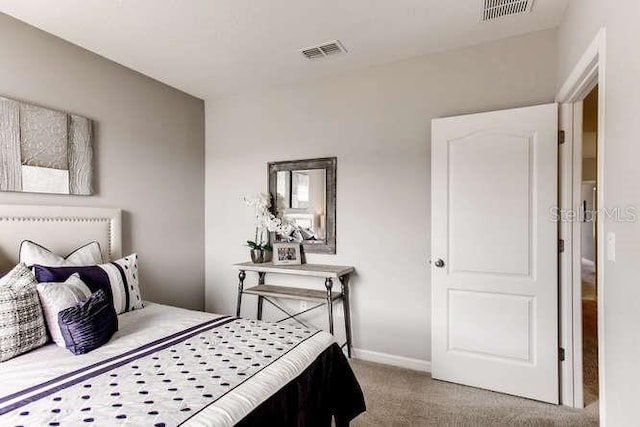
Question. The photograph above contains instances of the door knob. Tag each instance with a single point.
(439, 263)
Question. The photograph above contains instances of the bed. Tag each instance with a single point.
(168, 366)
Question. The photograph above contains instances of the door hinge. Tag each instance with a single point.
(561, 137)
(561, 354)
(560, 245)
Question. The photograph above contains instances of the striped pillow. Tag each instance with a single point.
(22, 326)
(88, 324)
(118, 279)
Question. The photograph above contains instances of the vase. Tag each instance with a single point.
(257, 256)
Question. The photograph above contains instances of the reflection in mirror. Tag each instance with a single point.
(304, 192)
(301, 202)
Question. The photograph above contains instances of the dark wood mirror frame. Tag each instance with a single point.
(329, 164)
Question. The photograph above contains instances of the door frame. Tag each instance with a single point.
(588, 72)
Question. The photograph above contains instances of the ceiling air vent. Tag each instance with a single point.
(323, 50)
(494, 9)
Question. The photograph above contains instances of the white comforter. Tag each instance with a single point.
(209, 372)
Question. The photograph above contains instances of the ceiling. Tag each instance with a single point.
(213, 47)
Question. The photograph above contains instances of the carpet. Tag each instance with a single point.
(401, 397)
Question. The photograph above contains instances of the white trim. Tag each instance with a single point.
(392, 359)
(575, 253)
(565, 271)
(589, 71)
(584, 76)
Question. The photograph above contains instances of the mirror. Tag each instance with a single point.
(304, 194)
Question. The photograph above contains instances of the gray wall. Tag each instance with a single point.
(149, 149)
(619, 290)
(377, 122)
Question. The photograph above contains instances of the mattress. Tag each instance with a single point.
(169, 366)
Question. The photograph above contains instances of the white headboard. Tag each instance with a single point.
(60, 229)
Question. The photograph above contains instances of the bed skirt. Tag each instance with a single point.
(326, 389)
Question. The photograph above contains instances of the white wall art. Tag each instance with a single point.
(43, 150)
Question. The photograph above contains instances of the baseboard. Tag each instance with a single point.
(392, 359)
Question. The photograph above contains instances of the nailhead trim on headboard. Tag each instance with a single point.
(66, 219)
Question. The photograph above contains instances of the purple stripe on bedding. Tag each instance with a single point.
(111, 359)
(100, 371)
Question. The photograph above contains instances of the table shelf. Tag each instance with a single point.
(313, 270)
(289, 292)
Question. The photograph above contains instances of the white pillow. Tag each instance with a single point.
(32, 253)
(56, 297)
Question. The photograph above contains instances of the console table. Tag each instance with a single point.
(326, 296)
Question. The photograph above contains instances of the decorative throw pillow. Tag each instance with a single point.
(119, 279)
(56, 297)
(88, 324)
(32, 253)
(22, 326)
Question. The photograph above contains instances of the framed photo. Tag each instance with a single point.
(286, 253)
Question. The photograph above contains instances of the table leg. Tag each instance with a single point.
(241, 277)
(261, 276)
(260, 302)
(328, 283)
(344, 280)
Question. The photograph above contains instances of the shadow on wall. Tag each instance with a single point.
(127, 226)
(5, 262)
(96, 156)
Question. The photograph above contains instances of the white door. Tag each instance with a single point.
(494, 251)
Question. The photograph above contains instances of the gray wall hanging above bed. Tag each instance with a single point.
(44, 150)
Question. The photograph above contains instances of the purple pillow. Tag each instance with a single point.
(93, 276)
(88, 324)
(118, 279)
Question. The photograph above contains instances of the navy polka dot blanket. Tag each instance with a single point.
(164, 367)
